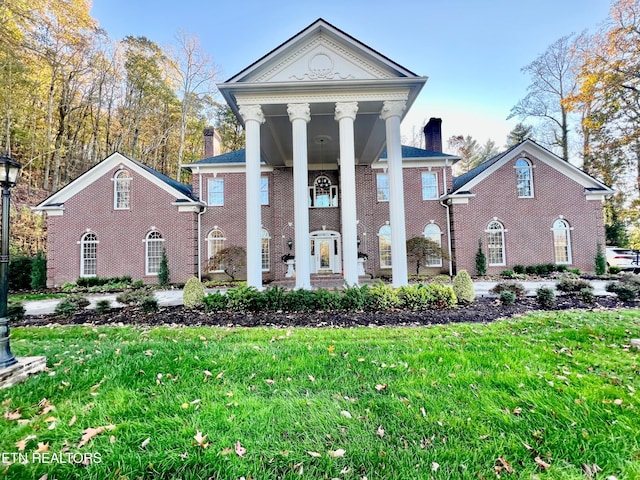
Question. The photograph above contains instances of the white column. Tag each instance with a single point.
(346, 115)
(391, 113)
(253, 117)
(299, 115)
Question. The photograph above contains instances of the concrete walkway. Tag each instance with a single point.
(174, 297)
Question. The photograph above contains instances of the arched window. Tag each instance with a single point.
(562, 241)
(265, 251)
(89, 255)
(215, 244)
(384, 244)
(122, 190)
(495, 243)
(154, 248)
(432, 232)
(323, 194)
(524, 177)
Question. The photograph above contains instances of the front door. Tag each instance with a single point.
(324, 255)
(325, 252)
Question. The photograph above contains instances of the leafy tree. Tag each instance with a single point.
(231, 260)
(472, 153)
(519, 133)
(553, 81)
(229, 128)
(39, 271)
(420, 250)
(600, 261)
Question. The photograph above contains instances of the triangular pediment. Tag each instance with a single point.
(319, 53)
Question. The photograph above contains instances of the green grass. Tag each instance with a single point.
(560, 387)
(27, 297)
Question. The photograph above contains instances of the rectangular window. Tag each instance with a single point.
(215, 192)
(382, 184)
(264, 190)
(429, 186)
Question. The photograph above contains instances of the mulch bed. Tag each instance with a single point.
(482, 310)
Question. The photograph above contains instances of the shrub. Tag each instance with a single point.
(519, 269)
(481, 261)
(103, 306)
(327, 300)
(15, 310)
(442, 296)
(163, 271)
(69, 287)
(384, 297)
(545, 297)
(600, 261)
(587, 296)
(39, 272)
(531, 269)
(20, 273)
(193, 293)
(507, 297)
(149, 304)
(514, 287)
(415, 297)
(68, 306)
(441, 278)
(356, 298)
(300, 301)
(572, 284)
(137, 284)
(244, 299)
(575, 271)
(215, 302)
(614, 269)
(463, 287)
(508, 274)
(627, 288)
(134, 297)
(274, 299)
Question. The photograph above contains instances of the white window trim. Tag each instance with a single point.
(266, 237)
(82, 243)
(530, 168)
(502, 242)
(378, 175)
(435, 174)
(209, 240)
(266, 179)
(209, 181)
(439, 242)
(390, 265)
(333, 194)
(567, 231)
(116, 180)
(147, 241)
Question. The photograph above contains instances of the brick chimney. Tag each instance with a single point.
(208, 142)
(433, 135)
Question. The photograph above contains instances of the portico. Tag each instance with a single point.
(323, 101)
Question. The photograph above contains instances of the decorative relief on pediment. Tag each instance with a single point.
(321, 67)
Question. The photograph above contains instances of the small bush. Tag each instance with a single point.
(134, 297)
(614, 269)
(68, 306)
(69, 287)
(414, 297)
(300, 301)
(384, 297)
(103, 306)
(519, 269)
(327, 301)
(627, 288)
(441, 279)
(20, 273)
(274, 299)
(163, 271)
(442, 296)
(481, 261)
(15, 310)
(463, 287)
(531, 269)
(193, 293)
(575, 271)
(215, 302)
(587, 296)
(545, 297)
(507, 297)
(600, 261)
(244, 299)
(39, 272)
(356, 298)
(137, 284)
(508, 274)
(572, 284)
(149, 304)
(514, 287)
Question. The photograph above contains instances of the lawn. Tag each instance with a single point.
(549, 396)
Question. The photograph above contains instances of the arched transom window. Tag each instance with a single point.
(384, 245)
(215, 244)
(154, 248)
(432, 232)
(89, 255)
(122, 190)
(495, 243)
(323, 194)
(562, 241)
(524, 178)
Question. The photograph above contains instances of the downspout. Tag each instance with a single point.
(448, 207)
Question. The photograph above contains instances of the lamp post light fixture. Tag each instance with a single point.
(9, 170)
(290, 243)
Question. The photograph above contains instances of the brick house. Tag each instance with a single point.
(325, 180)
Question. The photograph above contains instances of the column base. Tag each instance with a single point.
(19, 372)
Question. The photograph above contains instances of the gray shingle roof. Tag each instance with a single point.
(474, 172)
(186, 190)
(237, 156)
(413, 152)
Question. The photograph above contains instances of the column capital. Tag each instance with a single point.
(392, 108)
(346, 110)
(251, 112)
(299, 111)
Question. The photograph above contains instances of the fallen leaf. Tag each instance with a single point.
(312, 378)
(73, 420)
(590, 470)
(22, 444)
(52, 426)
(201, 441)
(503, 465)
(42, 447)
(240, 450)
(6, 403)
(44, 477)
(617, 401)
(517, 411)
(226, 451)
(337, 453)
(314, 454)
(91, 432)
(148, 353)
(541, 463)
(380, 431)
(145, 442)
(381, 387)
(435, 466)
(220, 375)
(50, 419)
(268, 381)
(46, 406)
(346, 414)
(345, 470)
(15, 415)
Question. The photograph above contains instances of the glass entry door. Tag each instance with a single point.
(324, 254)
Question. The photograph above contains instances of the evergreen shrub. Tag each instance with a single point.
(39, 272)
(546, 297)
(215, 302)
(514, 287)
(463, 287)
(383, 297)
(507, 297)
(193, 293)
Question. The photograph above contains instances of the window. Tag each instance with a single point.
(89, 255)
(215, 243)
(122, 190)
(432, 232)
(524, 178)
(384, 243)
(216, 192)
(495, 243)
(323, 194)
(265, 250)
(562, 242)
(429, 186)
(264, 190)
(155, 246)
(382, 184)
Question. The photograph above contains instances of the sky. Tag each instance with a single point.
(471, 50)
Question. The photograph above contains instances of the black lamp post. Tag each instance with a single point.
(9, 170)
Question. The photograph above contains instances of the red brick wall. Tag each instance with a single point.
(120, 233)
(528, 221)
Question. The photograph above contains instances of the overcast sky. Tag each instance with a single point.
(471, 50)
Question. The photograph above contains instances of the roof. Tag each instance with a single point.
(413, 152)
(237, 156)
(474, 172)
(186, 190)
